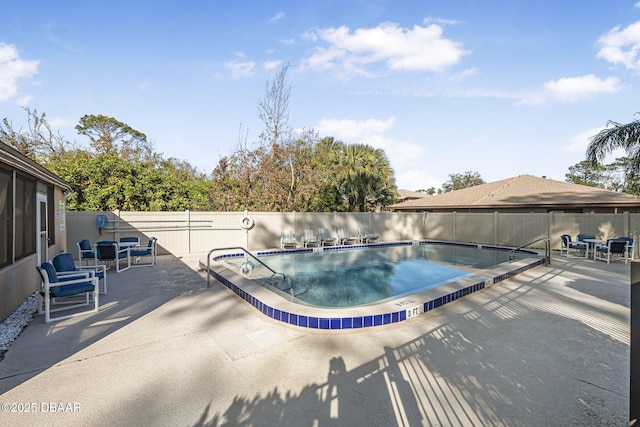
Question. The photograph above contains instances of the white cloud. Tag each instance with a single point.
(241, 67)
(415, 179)
(573, 89)
(352, 131)
(277, 17)
(621, 46)
(271, 65)
(533, 99)
(421, 48)
(24, 101)
(464, 74)
(406, 159)
(580, 141)
(59, 122)
(13, 68)
(441, 21)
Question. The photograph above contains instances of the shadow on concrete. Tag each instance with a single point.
(523, 358)
(537, 350)
(131, 295)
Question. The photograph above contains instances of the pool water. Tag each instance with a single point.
(363, 276)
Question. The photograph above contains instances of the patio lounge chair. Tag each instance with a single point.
(52, 289)
(613, 249)
(345, 237)
(86, 251)
(109, 252)
(568, 245)
(288, 240)
(138, 253)
(365, 236)
(308, 239)
(325, 237)
(66, 269)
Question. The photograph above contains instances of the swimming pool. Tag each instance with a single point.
(474, 267)
(368, 275)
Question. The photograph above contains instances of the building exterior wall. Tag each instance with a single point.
(22, 182)
(20, 279)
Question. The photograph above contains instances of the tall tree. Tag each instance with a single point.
(273, 110)
(592, 174)
(365, 177)
(110, 136)
(274, 107)
(617, 136)
(38, 141)
(431, 191)
(623, 176)
(615, 176)
(329, 177)
(127, 174)
(260, 179)
(458, 181)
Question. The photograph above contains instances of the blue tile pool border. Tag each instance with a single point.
(302, 318)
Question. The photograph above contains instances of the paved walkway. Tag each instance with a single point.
(549, 347)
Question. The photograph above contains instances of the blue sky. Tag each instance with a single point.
(503, 88)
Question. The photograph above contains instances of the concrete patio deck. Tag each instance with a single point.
(549, 347)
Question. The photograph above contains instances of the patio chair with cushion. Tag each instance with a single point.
(568, 245)
(308, 239)
(324, 235)
(630, 245)
(66, 269)
(612, 250)
(580, 237)
(288, 240)
(110, 252)
(345, 237)
(365, 236)
(565, 239)
(129, 241)
(53, 289)
(137, 253)
(86, 252)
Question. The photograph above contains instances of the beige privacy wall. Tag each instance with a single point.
(198, 232)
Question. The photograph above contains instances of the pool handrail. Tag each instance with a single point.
(547, 249)
(275, 273)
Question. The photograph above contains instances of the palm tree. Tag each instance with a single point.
(365, 176)
(616, 135)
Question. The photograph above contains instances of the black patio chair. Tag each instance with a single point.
(110, 252)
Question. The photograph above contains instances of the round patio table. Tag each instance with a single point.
(591, 243)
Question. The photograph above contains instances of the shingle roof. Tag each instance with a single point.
(16, 159)
(407, 194)
(523, 190)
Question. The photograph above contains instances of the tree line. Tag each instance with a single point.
(121, 170)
